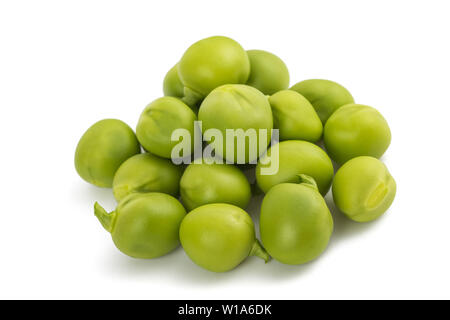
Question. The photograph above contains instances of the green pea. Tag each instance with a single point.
(295, 157)
(144, 173)
(205, 183)
(326, 96)
(172, 86)
(219, 236)
(210, 63)
(356, 130)
(268, 73)
(295, 117)
(363, 189)
(242, 107)
(144, 225)
(102, 149)
(158, 121)
(295, 223)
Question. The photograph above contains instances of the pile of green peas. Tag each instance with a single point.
(202, 205)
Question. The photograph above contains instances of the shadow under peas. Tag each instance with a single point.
(175, 265)
(88, 194)
(278, 271)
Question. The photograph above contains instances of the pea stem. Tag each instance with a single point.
(259, 251)
(307, 181)
(105, 218)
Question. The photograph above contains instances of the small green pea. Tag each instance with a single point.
(210, 63)
(295, 157)
(363, 189)
(326, 96)
(268, 73)
(102, 149)
(158, 121)
(295, 117)
(205, 183)
(295, 222)
(218, 237)
(356, 130)
(144, 173)
(144, 225)
(236, 106)
(172, 86)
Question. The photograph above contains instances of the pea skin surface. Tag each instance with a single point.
(363, 189)
(210, 63)
(326, 96)
(144, 173)
(237, 107)
(356, 130)
(295, 117)
(296, 157)
(145, 225)
(268, 73)
(295, 222)
(158, 121)
(102, 149)
(214, 183)
(218, 237)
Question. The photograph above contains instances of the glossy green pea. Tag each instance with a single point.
(356, 130)
(363, 189)
(295, 117)
(210, 63)
(295, 157)
(144, 225)
(102, 149)
(237, 106)
(218, 237)
(172, 85)
(295, 222)
(205, 183)
(144, 173)
(326, 96)
(268, 73)
(158, 121)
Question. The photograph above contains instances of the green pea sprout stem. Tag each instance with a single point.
(106, 219)
(259, 251)
(307, 181)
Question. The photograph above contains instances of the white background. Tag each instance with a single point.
(66, 64)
